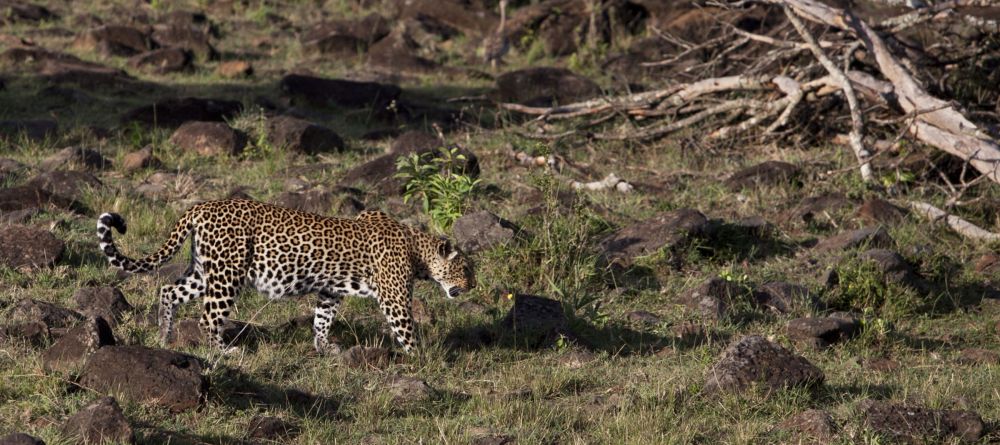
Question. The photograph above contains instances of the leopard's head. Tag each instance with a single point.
(450, 268)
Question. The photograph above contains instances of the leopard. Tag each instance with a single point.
(282, 252)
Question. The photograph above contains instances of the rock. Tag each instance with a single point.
(533, 318)
(106, 302)
(32, 197)
(399, 52)
(785, 298)
(421, 313)
(22, 246)
(99, 422)
(346, 38)
(481, 231)
(668, 230)
(493, 439)
(455, 14)
(911, 424)
(868, 236)
(174, 112)
(75, 155)
(187, 333)
(33, 130)
(978, 357)
(766, 173)
(209, 138)
(70, 351)
(823, 331)
(161, 61)
(407, 390)
(271, 429)
(380, 173)
(880, 211)
(155, 376)
(415, 142)
(114, 40)
(317, 200)
(234, 69)
(364, 357)
(343, 93)
(140, 159)
(545, 87)
(19, 438)
(753, 360)
(894, 268)
(471, 307)
(187, 38)
(643, 317)
(713, 298)
(812, 426)
(294, 134)
(23, 12)
(68, 185)
(35, 333)
(988, 263)
(19, 216)
(50, 315)
(806, 209)
(880, 364)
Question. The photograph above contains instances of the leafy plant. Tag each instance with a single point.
(439, 182)
(253, 122)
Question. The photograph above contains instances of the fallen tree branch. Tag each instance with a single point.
(654, 131)
(959, 225)
(609, 182)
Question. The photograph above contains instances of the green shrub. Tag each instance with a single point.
(437, 180)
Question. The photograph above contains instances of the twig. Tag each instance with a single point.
(857, 121)
(959, 225)
(655, 131)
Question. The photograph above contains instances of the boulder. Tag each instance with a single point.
(545, 87)
(81, 156)
(154, 376)
(415, 141)
(23, 246)
(72, 349)
(867, 236)
(537, 320)
(894, 268)
(32, 197)
(344, 93)
(766, 173)
(914, 424)
(50, 315)
(481, 231)
(668, 230)
(114, 40)
(821, 332)
(174, 112)
(100, 422)
(346, 38)
(161, 61)
(68, 185)
(209, 138)
(298, 135)
(400, 53)
(106, 302)
(34, 333)
(753, 360)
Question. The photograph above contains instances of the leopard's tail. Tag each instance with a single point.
(108, 220)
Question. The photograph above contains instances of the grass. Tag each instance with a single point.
(643, 383)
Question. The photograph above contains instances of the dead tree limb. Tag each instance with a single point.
(857, 120)
(959, 225)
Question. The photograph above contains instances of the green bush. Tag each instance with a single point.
(437, 180)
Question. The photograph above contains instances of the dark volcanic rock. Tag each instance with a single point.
(271, 429)
(161, 61)
(754, 360)
(318, 200)
(20, 439)
(187, 333)
(811, 426)
(713, 298)
(68, 185)
(824, 331)
(911, 424)
(302, 136)
(455, 14)
(482, 230)
(785, 298)
(82, 156)
(23, 12)
(415, 142)
(188, 38)
(545, 87)
(346, 38)
(807, 209)
(767, 173)
(668, 230)
(34, 333)
(99, 422)
(155, 376)
(536, 319)
(31, 196)
(174, 112)
(209, 138)
(84, 74)
(344, 93)
(50, 315)
(880, 211)
(22, 246)
(114, 40)
(106, 302)
(894, 268)
(380, 173)
(70, 351)
(643, 317)
(399, 53)
(35, 130)
(868, 236)
(978, 357)
(406, 390)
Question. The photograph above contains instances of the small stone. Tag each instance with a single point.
(880, 211)
(713, 298)
(753, 360)
(161, 61)
(234, 69)
(988, 263)
(767, 173)
(576, 359)
(140, 159)
(209, 138)
(421, 313)
(471, 307)
(643, 317)
(874, 237)
(483, 230)
(881, 364)
(914, 424)
(406, 390)
(35, 333)
(785, 298)
(99, 422)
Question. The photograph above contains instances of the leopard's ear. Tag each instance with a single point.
(444, 248)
